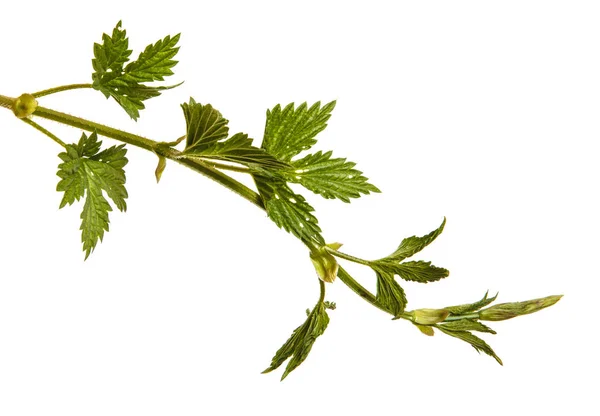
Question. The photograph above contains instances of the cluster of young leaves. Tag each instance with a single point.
(461, 321)
(288, 132)
(207, 139)
(127, 84)
(389, 293)
(297, 347)
(87, 171)
(463, 328)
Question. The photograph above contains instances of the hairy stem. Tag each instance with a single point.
(198, 166)
(59, 89)
(347, 257)
(43, 130)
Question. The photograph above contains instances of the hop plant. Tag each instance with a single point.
(95, 176)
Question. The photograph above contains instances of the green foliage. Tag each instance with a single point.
(288, 132)
(467, 325)
(288, 210)
(291, 131)
(476, 342)
(126, 83)
(86, 171)
(390, 294)
(206, 138)
(298, 346)
(416, 271)
(471, 307)
(412, 245)
(330, 178)
(97, 175)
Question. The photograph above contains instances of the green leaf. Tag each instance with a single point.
(288, 210)
(112, 54)
(467, 325)
(471, 307)
(330, 178)
(155, 63)
(476, 342)
(415, 271)
(206, 138)
(412, 245)
(125, 84)
(390, 294)
(298, 346)
(205, 125)
(87, 172)
(293, 130)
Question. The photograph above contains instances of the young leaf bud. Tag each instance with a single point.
(504, 311)
(429, 316)
(325, 264)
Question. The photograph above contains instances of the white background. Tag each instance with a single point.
(484, 112)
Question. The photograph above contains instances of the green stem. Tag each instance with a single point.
(59, 89)
(198, 166)
(7, 102)
(43, 130)
(101, 129)
(359, 289)
(322, 291)
(459, 317)
(347, 256)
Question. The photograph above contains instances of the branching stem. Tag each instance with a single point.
(347, 257)
(43, 130)
(59, 89)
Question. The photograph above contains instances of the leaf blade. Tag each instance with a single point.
(126, 84)
(390, 294)
(330, 177)
(288, 210)
(414, 271)
(476, 342)
(300, 343)
(237, 149)
(471, 307)
(290, 130)
(412, 245)
(87, 172)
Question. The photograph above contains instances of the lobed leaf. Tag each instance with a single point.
(205, 125)
(206, 138)
(299, 345)
(330, 178)
(412, 245)
(476, 342)
(467, 325)
(125, 85)
(287, 209)
(390, 294)
(155, 63)
(415, 271)
(87, 172)
(112, 54)
(471, 307)
(290, 130)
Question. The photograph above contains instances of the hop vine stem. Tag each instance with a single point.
(201, 167)
(211, 151)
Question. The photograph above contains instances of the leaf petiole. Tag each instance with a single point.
(43, 130)
(347, 256)
(59, 89)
